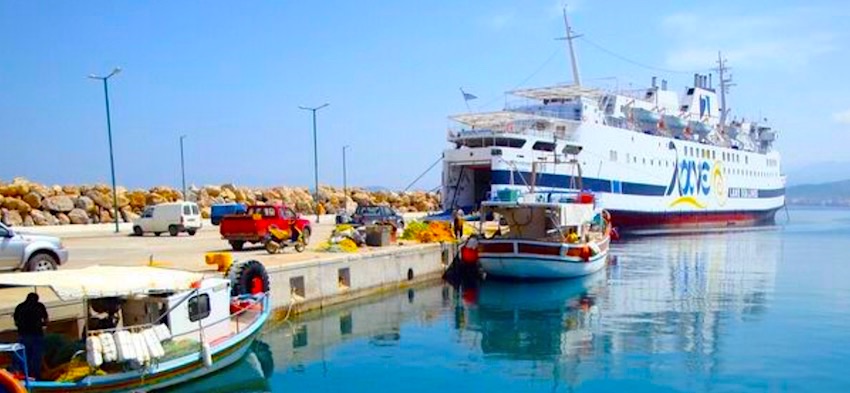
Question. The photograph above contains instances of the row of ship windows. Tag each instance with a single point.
(666, 163)
(697, 152)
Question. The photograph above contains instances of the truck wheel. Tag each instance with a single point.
(191, 232)
(306, 236)
(41, 262)
(137, 230)
(172, 230)
(237, 245)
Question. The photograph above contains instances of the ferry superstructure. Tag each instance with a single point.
(653, 159)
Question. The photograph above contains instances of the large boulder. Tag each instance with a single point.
(155, 199)
(71, 190)
(28, 221)
(137, 199)
(63, 218)
(100, 199)
(12, 218)
(78, 216)
(85, 203)
(61, 203)
(33, 199)
(105, 216)
(40, 218)
(228, 195)
(127, 214)
(16, 204)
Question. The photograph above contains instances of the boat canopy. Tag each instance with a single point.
(104, 281)
(494, 119)
(558, 92)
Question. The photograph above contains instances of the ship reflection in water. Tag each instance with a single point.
(665, 307)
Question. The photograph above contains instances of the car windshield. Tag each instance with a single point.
(370, 211)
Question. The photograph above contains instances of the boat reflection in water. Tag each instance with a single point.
(669, 295)
(535, 320)
(248, 375)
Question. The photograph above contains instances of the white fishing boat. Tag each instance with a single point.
(544, 235)
(172, 326)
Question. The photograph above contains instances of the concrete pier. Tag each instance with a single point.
(302, 286)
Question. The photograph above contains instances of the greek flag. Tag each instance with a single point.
(467, 96)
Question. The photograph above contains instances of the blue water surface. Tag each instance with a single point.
(751, 311)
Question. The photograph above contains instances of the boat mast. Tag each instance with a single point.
(570, 37)
(725, 84)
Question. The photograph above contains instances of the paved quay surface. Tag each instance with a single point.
(95, 244)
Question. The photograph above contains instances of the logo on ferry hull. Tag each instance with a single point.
(694, 179)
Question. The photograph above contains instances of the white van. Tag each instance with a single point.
(173, 217)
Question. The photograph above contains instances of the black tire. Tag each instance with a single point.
(172, 230)
(41, 262)
(306, 235)
(272, 247)
(242, 277)
(137, 230)
(191, 232)
(157, 233)
(237, 245)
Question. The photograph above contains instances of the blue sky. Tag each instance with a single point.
(231, 76)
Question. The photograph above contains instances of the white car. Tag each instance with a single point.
(173, 217)
(21, 251)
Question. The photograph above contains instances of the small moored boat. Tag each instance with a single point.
(547, 235)
(170, 326)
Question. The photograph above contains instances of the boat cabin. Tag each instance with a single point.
(543, 216)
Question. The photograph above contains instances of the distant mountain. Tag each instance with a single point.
(835, 193)
(823, 172)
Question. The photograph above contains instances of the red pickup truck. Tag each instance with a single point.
(252, 226)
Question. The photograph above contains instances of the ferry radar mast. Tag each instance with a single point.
(725, 84)
(569, 38)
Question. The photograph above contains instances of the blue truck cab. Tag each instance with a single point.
(220, 210)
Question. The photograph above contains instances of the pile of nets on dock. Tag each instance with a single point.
(430, 232)
(344, 238)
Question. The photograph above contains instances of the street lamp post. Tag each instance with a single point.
(183, 168)
(344, 181)
(105, 80)
(315, 156)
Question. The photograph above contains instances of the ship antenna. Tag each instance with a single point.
(569, 38)
(725, 84)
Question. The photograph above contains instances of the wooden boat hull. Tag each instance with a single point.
(168, 373)
(538, 260)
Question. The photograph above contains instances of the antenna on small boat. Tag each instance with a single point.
(569, 38)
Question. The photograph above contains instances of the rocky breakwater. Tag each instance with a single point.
(25, 203)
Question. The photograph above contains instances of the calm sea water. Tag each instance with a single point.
(750, 311)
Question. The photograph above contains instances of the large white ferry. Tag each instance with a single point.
(652, 158)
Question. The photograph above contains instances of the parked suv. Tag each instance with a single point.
(369, 215)
(19, 251)
(173, 217)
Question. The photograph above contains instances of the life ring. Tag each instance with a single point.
(249, 277)
(10, 383)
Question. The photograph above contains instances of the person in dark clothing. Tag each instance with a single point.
(30, 319)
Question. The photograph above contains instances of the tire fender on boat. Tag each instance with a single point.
(248, 278)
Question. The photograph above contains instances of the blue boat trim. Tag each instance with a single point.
(503, 178)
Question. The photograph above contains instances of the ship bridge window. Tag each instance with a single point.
(487, 142)
(613, 155)
(544, 146)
